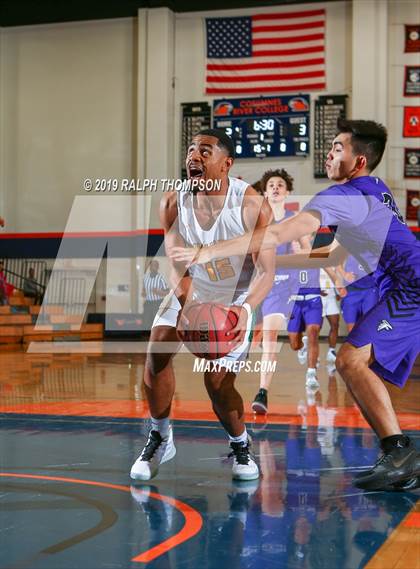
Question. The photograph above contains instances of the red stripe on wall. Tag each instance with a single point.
(78, 235)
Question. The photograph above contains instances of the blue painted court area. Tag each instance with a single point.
(66, 499)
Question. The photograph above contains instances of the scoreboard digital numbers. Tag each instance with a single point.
(266, 126)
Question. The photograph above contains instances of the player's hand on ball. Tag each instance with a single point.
(183, 323)
(238, 331)
(205, 328)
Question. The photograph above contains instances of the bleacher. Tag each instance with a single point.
(22, 322)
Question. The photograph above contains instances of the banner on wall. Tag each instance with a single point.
(412, 204)
(412, 38)
(411, 162)
(412, 81)
(411, 126)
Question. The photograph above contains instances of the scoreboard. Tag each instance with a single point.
(195, 117)
(265, 126)
(328, 108)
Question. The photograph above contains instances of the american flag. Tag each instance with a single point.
(266, 53)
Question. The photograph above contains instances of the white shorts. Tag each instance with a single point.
(330, 305)
(168, 312)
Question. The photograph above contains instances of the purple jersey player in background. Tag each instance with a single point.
(386, 341)
(276, 186)
(362, 293)
(306, 317)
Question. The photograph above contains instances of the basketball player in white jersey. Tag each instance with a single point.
(201, 218)
(331, 291)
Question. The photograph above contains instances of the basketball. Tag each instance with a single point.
(205, 335)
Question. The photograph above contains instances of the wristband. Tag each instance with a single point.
(248, 309)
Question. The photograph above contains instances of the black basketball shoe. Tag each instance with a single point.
(396, 468)
(260, 403)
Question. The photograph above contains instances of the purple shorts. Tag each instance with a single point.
(276, 304)
(357, 303)
(305, 312)
(393, 329)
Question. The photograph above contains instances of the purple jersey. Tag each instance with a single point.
(362, 279)
(305, 281)
(284, 248)
(369, 225)
(276, 300)
(372, 229)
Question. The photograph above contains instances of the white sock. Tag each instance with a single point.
(241, 439)
(161, 425)
(312, 370)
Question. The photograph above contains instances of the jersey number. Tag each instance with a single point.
(220, 269)
(303, 277)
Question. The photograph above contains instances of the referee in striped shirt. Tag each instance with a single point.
(154, 289)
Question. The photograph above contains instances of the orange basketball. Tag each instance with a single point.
(205, 335)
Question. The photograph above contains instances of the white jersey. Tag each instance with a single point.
(224, 279)
(330, 304)
(326, 282)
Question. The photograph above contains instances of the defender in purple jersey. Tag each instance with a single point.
(306, 317)
(362, 293)
(385, 342)
(276, 186)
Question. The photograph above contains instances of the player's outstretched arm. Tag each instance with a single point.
(328, 256)
(251, 242)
